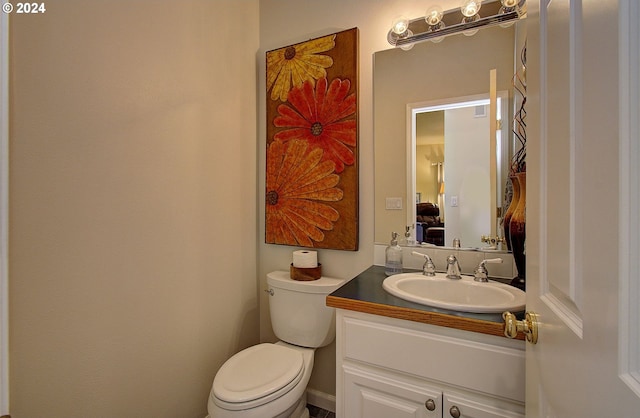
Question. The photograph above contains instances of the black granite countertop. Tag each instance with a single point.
(365, 293)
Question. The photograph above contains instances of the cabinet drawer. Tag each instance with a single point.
(452, 358)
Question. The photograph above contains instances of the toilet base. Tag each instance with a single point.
(301, 410)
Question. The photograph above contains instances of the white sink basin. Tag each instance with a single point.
(464, 295)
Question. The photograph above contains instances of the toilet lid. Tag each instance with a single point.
(257, 372)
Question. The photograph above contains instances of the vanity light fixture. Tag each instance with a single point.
(434, 16)
(434, 20)
(400, 30)
(437, 24)
(508, 6)
(400, 25)
(470, 8)
(407, 47)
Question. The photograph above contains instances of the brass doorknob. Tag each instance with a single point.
(528, 326)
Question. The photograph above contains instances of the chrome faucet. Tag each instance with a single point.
(481, 273)
(453, 268)
(428, 268)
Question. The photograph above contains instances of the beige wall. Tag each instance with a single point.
(132, 205)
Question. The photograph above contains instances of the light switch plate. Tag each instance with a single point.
(393, 203)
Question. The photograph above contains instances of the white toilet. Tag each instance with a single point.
(270, 380)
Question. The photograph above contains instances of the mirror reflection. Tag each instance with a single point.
(453, 142)
(419, 173)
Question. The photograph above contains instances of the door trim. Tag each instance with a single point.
(4, 218)
(565, 303)
(629, 227)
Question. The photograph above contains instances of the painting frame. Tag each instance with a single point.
(312, 178)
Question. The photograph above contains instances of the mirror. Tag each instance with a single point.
(439, 75)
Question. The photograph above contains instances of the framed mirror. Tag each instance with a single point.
(437, 75)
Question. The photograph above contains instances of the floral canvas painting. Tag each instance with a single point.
(311, 197)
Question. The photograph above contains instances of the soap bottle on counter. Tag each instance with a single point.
(393, 256)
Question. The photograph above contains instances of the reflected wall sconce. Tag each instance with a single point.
(437, 24)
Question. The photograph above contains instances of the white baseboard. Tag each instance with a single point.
(321, 400)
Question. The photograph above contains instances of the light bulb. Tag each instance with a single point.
(470, 7)
(400, 25)
(434, 15)
(509, 3)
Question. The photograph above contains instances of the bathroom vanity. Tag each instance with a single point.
(400, 359)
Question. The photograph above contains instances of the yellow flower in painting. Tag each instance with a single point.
(296, 185)
(291, 66)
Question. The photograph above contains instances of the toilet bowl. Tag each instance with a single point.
(266, 380)
(269, 380)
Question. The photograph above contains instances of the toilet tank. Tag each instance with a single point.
(299, 314)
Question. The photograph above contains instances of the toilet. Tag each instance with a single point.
(269, 380)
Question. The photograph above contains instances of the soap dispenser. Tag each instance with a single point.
(393, 256)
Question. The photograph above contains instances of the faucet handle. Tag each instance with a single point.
(428, 268)
(481, 274)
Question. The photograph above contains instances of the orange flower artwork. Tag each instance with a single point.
(296, 185)
(322, 116)
(311, 196)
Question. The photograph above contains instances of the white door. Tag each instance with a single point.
(582, 208)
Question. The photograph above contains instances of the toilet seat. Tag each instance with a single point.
(257, 375)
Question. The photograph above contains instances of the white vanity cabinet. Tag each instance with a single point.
(392, 368)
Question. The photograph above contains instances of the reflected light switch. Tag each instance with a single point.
(393, 203)
(454, 201)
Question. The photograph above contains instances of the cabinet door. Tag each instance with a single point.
(373, 395)
(462, 406)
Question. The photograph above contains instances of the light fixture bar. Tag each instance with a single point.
(419, 30)
(450, 30)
